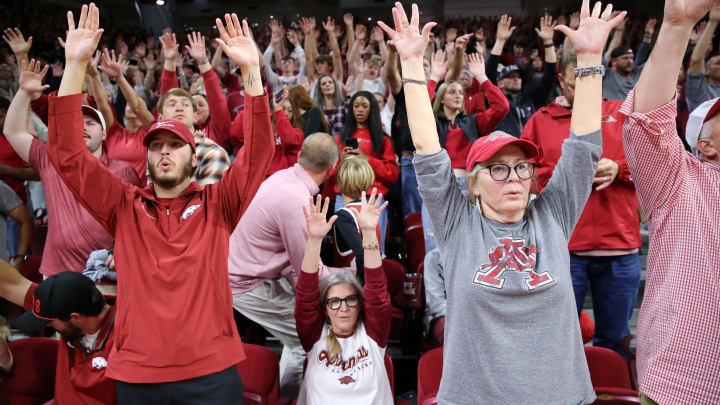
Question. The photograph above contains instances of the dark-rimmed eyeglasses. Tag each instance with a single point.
(501, 172)
(336, 303)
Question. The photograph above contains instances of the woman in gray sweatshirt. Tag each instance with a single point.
(511, 331)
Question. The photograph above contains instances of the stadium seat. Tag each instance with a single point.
(414, 241)
(260, 375)
(33, 378)
(610, 376)
(429, 375)
(414, 218)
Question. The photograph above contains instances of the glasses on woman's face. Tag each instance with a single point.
(336, 303)
(501, 172)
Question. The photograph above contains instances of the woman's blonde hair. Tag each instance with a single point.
(332, 345)
(438, 102)
(354, 175)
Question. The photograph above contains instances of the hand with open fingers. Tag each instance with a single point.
(504, 28)
(31, 77)
(58, 69)
(376, 35)
(236, 42)
(348, 19)
(316, 217)
(92, 66)
(409, 40)
(114, 67)
(329, 25)
(437, 65)
(169, 46)
(686, 13)
(370, 210)
(196, 49)
(546, 31)
(16, 41)
(621, 24)
(360, 31)
(307, 24)
(605, 173)
(476, 64)
(591, 36)
(82, 40)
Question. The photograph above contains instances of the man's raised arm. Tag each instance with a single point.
(16, 123)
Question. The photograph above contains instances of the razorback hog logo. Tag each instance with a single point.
(344, 365)
(346, 380)
(511, 255)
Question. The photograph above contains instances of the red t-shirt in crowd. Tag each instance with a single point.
(10, 158)
(72, 232)
(79, 374)
(458, 146)
(128, 146)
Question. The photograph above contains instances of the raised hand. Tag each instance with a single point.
(409, 41)
(329, 25)
(546, 31)
(504, 28)
(620, 26)
(58, 69)
(16, 41)
(196, 49)
(169, 46)
(315, 217)
(650, 27)
(236, 42)
(590, 37)
(686, 13)
(476, 64)
(92, 66)
(438, 65)
(31, 77)
(292, 37)
(575, 20)
(81, 42)
(461, 42)
(370, 210)
(114, 67)
(360, 31)
(307, 24)
(376, 35)
(348, 19)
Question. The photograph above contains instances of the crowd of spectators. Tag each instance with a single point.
(230, 154)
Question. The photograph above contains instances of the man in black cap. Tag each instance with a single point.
(70, 303)
(523, 104)
(625, 65)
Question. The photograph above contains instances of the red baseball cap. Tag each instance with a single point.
(178, 128)
(487, 146)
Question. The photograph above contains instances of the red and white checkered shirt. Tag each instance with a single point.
(679, 325)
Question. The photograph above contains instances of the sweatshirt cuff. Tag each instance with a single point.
(65, 104)
(257, 104)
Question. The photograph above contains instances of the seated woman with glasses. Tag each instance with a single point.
(511, 329)
(343, 327)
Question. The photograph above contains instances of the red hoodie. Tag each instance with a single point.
(610, 220)
(174, 319)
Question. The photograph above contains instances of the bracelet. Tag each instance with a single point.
(414, 81)
(203, 61)
(590, 71)
(550, 45)
(371, 246)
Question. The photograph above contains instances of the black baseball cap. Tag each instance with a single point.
(620, 51)
(57, 297)
(507, 70)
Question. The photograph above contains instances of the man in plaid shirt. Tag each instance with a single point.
(679, 325)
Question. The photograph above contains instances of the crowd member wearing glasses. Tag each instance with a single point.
(510, 306)
(604, 246)
(342, 326)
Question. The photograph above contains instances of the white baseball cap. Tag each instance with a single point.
(698, 117)
(86, 109)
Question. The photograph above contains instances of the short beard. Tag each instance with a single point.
(71, 333)
(187, 171)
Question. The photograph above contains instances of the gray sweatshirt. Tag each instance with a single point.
(511, 329)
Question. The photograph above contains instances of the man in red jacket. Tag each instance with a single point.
(604, 246)
(176, 339)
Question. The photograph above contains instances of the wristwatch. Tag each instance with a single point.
(590, 71)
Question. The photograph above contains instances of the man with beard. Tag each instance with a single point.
(523, 104)
(71, 304)
(177, 340)
(703, 81)
(625, 66)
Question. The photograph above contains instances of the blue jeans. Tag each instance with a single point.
(411, 201)
(383, 220)
(614, 283)
(430, 242)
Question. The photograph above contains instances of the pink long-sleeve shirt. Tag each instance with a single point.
(269, 242)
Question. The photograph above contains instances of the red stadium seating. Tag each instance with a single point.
(610, 376)
(429, 375)
(260, 375)
(33, 378)
(414, 241)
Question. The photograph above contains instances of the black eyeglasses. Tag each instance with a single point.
(501, 172)
(336, 303)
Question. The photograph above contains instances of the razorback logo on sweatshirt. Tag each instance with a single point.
(511, 255)
(346, 380)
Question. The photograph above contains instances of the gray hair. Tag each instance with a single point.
(340, 277)
(319, 152)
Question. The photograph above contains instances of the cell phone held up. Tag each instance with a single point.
(352, 143)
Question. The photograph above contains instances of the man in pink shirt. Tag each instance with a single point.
(72, 232)
(679, 324)
(267, 249)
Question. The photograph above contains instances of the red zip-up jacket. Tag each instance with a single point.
(174, 318)
(218, 124)
(384, 164)
(287, 143)
(610, 220)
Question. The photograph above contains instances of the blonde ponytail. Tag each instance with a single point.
(333, 346)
